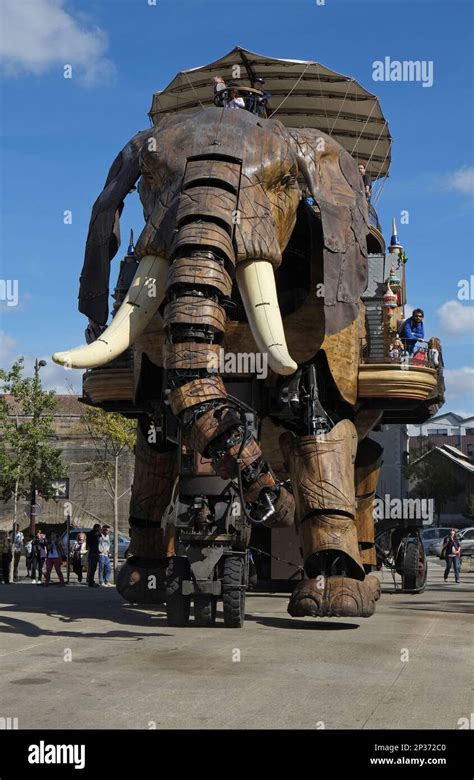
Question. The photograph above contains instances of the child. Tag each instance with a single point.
(396, 348)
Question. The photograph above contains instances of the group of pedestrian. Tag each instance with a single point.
(43, 555)
(98, 548)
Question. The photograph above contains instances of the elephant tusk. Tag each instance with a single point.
(257, 287)
(145, 295)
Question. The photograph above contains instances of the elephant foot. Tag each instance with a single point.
(335, 596)
(142, 580)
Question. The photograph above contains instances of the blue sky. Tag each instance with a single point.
(60, 135)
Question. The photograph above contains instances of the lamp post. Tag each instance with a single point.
(38, 364)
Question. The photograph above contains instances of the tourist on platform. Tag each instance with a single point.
(367, 181)
(262, 101)
(17, 551)
(412, 330)
(396, 349)
(39, 556)
(5, 557)
(105, 568)
(56, 556)
(219, 84)
(78, 552)
(452, 551)
(93, 557)
(233, 99)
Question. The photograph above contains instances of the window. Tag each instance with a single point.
(468, 535)
(438, 432)
(431, 534)
(469, 431)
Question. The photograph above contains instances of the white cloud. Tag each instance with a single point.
(461, 180)
(7, 344)
(455, 317)
(41, 34)
(459, 381)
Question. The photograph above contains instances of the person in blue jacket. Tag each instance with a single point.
(412, 330)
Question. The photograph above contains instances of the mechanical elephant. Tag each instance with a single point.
(231, 257)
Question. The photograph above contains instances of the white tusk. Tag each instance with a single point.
(145, 295)
(257, 287)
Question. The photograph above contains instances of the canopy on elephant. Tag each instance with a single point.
(304, 94)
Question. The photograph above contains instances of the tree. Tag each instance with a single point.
(112, 436)
(433, 479)
(419, 445)
(28, 462)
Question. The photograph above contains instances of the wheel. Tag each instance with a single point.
(205, 610)
(414, 567)
(233, 590)
(177, 605)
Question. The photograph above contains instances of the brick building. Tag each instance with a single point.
(89, 500)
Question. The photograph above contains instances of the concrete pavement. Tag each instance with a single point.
(81, 658)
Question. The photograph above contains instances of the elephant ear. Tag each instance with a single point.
(333, 177)
(103, 238)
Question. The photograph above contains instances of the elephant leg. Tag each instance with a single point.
(322, 474)
(142, 577)
(154, 477)
(367, 469)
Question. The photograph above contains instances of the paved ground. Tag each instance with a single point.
(406, 667)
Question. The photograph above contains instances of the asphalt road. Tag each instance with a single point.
(81, 658)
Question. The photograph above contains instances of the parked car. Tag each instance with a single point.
(467, 534)
(430, 535)
(123, 540)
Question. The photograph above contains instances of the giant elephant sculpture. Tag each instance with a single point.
(231, 256)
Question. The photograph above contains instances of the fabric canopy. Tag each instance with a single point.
(303, 94)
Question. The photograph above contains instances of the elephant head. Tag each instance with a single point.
(227, 182)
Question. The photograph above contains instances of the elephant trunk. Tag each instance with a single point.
(199, 283)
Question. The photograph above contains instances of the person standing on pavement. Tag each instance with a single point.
(39, 556)
(105, 568)
(29, 555)
(5, 557)
(56, 556)
(78, 552)
(452, 551)
(93, 558)
(17, 551)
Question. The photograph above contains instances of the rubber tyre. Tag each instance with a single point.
(414, 576)
(233, 594)
(205, 607)
(177, 605)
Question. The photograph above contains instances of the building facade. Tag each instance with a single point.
(88, 496)
(445, 429)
